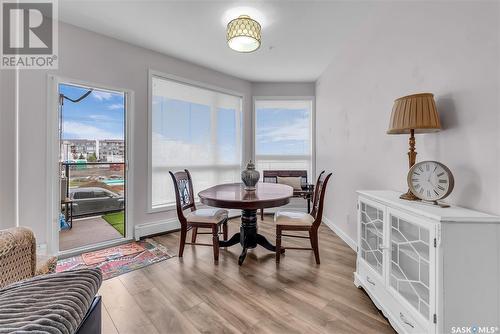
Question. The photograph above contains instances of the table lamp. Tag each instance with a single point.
(412, 114)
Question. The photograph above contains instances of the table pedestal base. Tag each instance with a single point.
(248, 236)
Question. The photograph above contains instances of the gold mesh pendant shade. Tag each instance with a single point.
(243, 34)
(414, 112)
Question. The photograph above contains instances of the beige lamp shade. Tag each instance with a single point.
(414, 112)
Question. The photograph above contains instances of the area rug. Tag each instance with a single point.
(118, 260)
(112, 253)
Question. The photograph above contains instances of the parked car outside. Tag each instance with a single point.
(95, 200)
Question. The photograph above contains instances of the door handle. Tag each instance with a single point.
(382, 247)
(369, 280)
(405, 321)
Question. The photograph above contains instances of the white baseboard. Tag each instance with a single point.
(347, 239)
(94, 247)
(143, 230)
(233, 213)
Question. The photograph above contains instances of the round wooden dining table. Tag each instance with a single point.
(234, 196)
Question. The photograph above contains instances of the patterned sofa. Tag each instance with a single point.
(18, 259)
(33, 298)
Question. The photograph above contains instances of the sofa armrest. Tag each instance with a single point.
(17, 255)
(45, 265)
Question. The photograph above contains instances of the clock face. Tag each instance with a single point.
(430, 180)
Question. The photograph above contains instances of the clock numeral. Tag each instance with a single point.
(430, 180)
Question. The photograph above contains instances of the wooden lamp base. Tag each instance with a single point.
(412, 156)
(409, 196)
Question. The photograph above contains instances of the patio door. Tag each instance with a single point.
(92, 167)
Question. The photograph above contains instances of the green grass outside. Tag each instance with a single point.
(117, 220)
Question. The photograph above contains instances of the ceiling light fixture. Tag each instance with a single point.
(243, 34)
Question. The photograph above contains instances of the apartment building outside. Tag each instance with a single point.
(106, 150)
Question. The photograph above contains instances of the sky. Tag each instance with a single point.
(184, 134)
(188, 125)
(101, 115)
(281, 131)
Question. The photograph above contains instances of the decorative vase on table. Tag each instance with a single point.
(250, 176)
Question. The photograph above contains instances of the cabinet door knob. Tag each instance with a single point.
(403, 319)
(382, 247)
(369, 280)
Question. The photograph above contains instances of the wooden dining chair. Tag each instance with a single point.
(301, 221)
(210, 218)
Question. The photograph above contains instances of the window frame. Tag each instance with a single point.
(310, 178)
(197, 84)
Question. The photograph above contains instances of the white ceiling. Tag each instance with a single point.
(297, 42)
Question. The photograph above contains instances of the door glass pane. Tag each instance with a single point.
(92, 151)
(409, 270)
(372, 226)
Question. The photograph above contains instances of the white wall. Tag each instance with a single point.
(384, 51)
(87, 56)
(90, 57)
(283, 88)
(7, 149)
(393, 49)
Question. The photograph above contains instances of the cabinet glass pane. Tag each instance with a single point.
(372, 225)
(409, 270)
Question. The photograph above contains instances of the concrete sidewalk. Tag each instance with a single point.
(87, 231)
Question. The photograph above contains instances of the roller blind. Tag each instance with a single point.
(192, 128)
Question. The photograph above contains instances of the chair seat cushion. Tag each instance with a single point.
(212, 216)
(293, 218)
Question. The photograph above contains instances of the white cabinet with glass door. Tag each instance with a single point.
(428, 269)
(371, 238)
(410, 271)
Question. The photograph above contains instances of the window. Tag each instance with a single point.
(192, 128)
(284, 135)
(83, 194)
(101, 194)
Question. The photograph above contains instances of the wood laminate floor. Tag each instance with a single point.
(193, 295)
